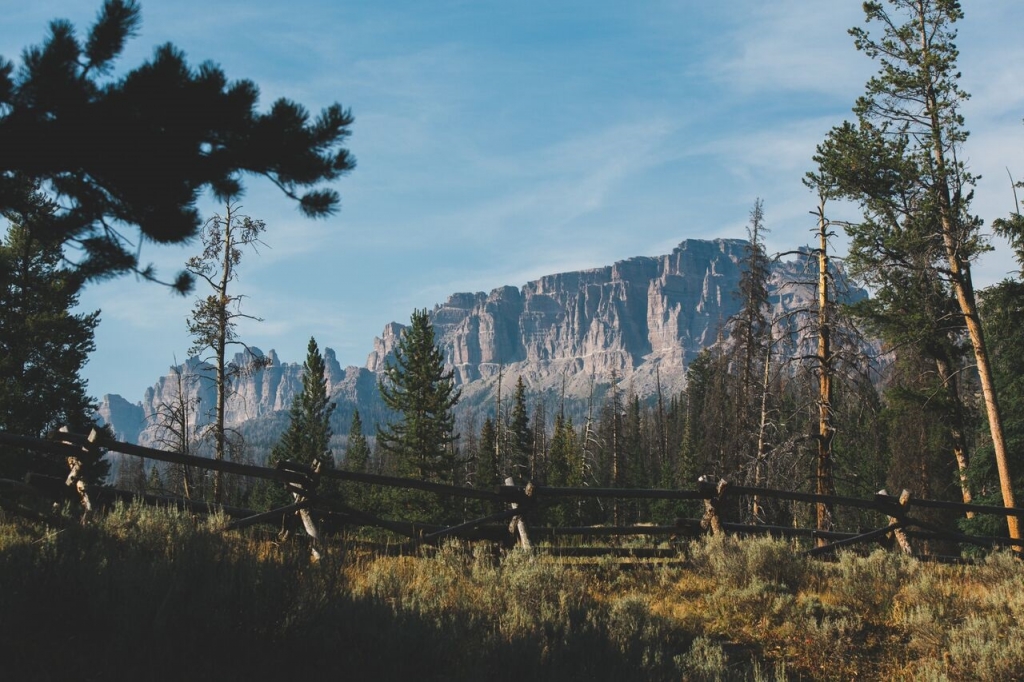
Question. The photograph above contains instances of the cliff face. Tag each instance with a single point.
(261, 395)
(640, 321)
(125, 418)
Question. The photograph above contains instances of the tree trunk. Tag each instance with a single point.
(221, 378)
(762, 444)
(308, 522)
(963, 287)
(616, 464)
(965, 296)
(956, 427)
(825, 485)
(499, 465)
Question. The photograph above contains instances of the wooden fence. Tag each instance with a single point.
(322, 514)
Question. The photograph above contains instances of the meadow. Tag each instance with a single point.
(152, 593)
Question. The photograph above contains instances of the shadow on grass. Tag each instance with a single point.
(153, 594)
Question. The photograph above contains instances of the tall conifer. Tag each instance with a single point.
(309, 434)
(903, 161)
(421, 441)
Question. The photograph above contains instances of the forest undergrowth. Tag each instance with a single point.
(144, 593)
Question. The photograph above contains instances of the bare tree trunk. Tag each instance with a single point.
(307, 518)
(616, 464)
(588, 438)
(712, 520)
(497, 424)
(75, 466)
(825, 484)
(662, 428)
(221, 351)
(762, 446)
(965, 296)
(180, 414)
(588, 431)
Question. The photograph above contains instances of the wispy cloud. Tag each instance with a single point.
(551, 187)
(790, 46)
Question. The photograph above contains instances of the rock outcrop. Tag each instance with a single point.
(265, 394)
(126, 419)
(640, 321)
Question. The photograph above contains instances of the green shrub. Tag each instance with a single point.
(642, 635)
(705, 660)
(869, 585)
(984, 648)
(738, 562)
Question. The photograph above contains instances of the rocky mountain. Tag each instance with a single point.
(260, 398)
(640, 321)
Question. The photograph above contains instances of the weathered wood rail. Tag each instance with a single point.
(322, 513)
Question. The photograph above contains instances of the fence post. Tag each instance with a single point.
(518, 525)
(712, 498)
(301, 492)
(75, 464)
(901, 536)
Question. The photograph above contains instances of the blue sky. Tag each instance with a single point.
(500, 141)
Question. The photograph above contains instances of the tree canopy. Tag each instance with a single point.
(903, 162)
(136, 150)
(43, 345)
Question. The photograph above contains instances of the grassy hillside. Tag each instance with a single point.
(155, 594)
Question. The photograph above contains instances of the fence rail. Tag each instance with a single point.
(523, 502)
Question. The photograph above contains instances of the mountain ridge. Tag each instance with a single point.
(641, 320)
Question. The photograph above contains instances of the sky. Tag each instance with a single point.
(501, 141)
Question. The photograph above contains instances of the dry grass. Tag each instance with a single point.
(155, 594)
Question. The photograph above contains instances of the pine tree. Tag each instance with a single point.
(708, 413)
(913, 423)
(521, 438)
(131, 475)
(636, 456)
(308, 436)
(565, 469)
(357, 459)
(1003, 313)
(357, 451)
(485, 464)
(154, 482)
(750, 327)
(916, 315)
(307, 439)
(903, 163)
(486, 458)
(43, 345)
(422, 393)
(138, 149)
(751, 331)
(539, 443)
